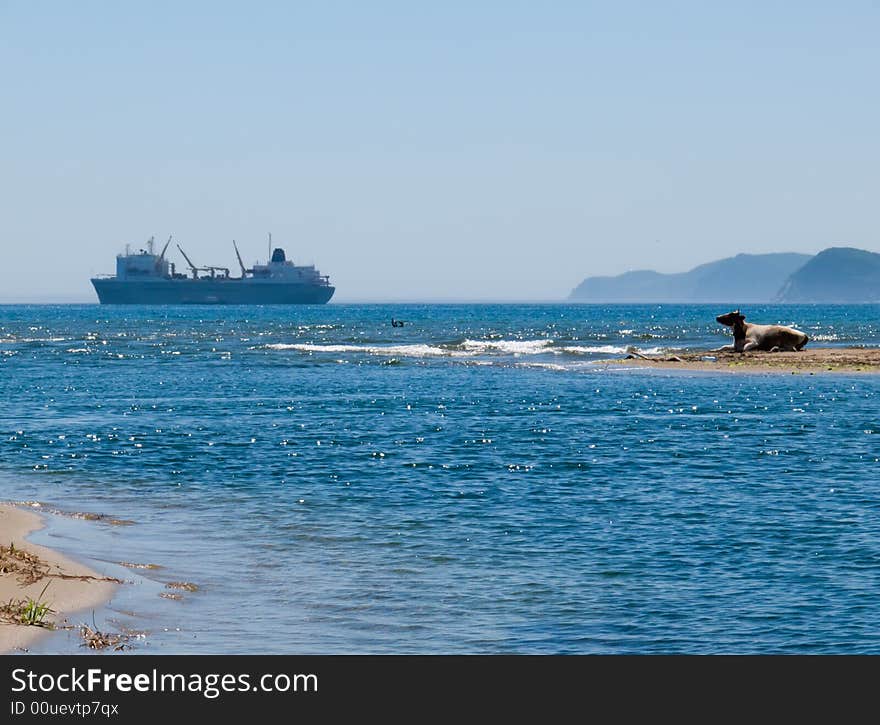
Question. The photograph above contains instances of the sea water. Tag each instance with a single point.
(471, 482)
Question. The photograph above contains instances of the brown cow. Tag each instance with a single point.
(770, 338)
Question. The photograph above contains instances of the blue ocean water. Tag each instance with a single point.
(470, 482)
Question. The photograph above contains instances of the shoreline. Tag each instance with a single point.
(72, 587)
(819, 360)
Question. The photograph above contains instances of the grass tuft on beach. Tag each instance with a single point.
(31, 611)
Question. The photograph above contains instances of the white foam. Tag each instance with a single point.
(393, 350)
(608, 350)
(32, 339)
(593, 349)
(516, 347)
(468, 348)
(542, 365)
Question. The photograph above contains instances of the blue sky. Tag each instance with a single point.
(433, 151)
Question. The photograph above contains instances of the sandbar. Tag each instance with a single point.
(818, 360)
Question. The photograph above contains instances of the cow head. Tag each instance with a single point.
(731, 319)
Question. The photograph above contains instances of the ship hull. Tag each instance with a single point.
(208, 292)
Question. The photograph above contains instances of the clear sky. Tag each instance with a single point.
(433, 150)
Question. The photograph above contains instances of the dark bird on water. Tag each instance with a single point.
(396, 323)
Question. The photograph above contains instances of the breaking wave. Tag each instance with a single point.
(395, 350)
(514, 347)
(465, 349)
(593, 349)
(24, 340)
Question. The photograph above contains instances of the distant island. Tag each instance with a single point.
(838, 274)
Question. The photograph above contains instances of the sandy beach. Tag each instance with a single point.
(808, 361)
(26, 568)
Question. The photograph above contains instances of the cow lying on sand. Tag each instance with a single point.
(770, 338)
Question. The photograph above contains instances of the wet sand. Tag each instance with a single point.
(824, 360)
(28, 568)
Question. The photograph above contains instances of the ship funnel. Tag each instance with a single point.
(278, 255)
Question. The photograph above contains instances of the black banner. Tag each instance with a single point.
(136, 688)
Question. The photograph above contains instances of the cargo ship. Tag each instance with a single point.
(147, 278)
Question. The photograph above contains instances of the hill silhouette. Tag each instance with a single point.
(743, 278)
(838, 274)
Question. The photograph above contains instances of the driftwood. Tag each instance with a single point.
(28, 568)
(634, 354)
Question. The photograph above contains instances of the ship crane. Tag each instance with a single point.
(162, 256)
(244, 272)
(195, 270)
